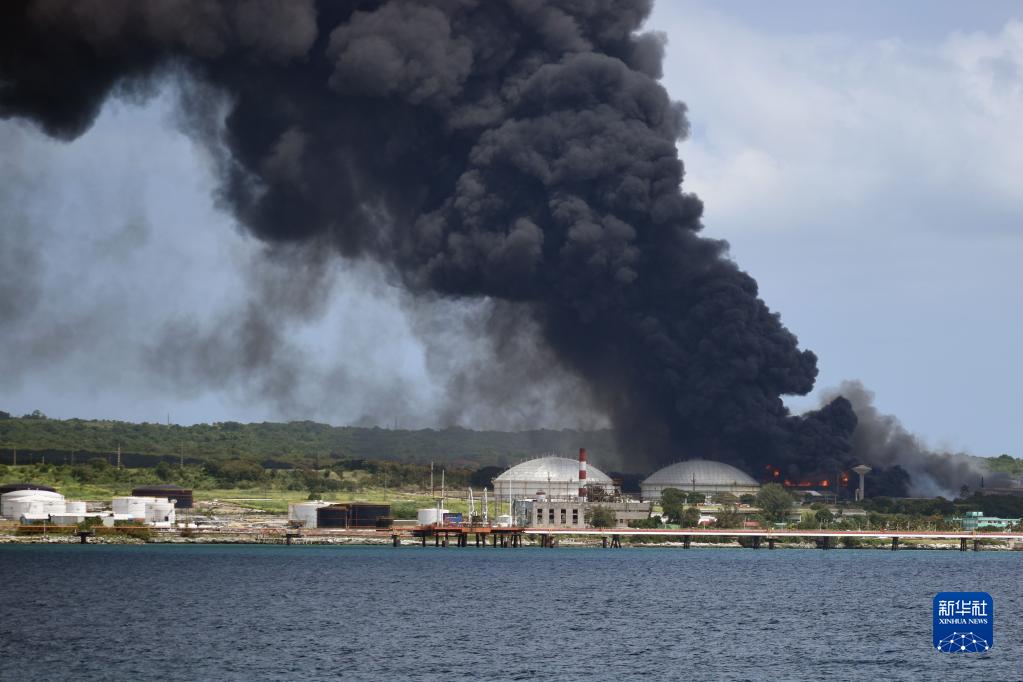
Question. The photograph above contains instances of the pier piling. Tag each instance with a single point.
(895, 544)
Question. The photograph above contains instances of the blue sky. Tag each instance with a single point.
(863, 160)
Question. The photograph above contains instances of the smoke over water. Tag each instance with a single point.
(521, 152)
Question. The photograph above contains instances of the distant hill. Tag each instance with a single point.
(35, 437)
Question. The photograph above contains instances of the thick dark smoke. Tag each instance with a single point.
(522, 151)
(881, 441)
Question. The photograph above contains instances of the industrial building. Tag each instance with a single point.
(701, 476)
(972, 520)
(553, 477)
(574, 512)
(320, 514)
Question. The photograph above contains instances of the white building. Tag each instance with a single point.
(699, 475)
(554, 477)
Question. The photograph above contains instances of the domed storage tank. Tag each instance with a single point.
(35, 503)
(11, 487)
(160, 511)
(699, 475)
(554, 477)
(135, 507)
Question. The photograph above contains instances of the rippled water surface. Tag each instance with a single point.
(225, 612)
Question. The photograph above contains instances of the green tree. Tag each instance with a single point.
(823, 516)
(748, 498)
(727, 499)
(601, 517)
(163, 471)
(690, 518)
(673, 501)
(774, 502)
(728, 517)
(404, 510)
(697, 498)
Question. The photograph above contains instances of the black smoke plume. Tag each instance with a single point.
(520, 150)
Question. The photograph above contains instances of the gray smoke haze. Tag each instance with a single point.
(881, 440)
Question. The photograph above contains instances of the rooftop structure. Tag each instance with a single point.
(699, 475)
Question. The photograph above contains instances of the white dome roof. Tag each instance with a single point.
(33, 494)
(557, 469)
(706, 473)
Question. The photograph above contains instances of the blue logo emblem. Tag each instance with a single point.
(964, 622)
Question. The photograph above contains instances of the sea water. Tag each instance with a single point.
(237, 612)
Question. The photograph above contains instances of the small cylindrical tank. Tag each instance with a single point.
(160, 511)
(431, 515)
(135, 507)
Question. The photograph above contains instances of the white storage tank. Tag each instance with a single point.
(31, 503)
(431, 515)
(133, 507)
(160, 512)
(76, 507)
(305, 512)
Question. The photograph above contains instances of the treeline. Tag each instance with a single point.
(280, 445)
(346, 475)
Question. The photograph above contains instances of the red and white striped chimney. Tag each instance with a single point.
(582, 472)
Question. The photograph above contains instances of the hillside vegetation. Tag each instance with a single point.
(36, 437)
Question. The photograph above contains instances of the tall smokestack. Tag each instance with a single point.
(582, 473)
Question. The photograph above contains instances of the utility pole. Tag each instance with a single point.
(118, 456)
